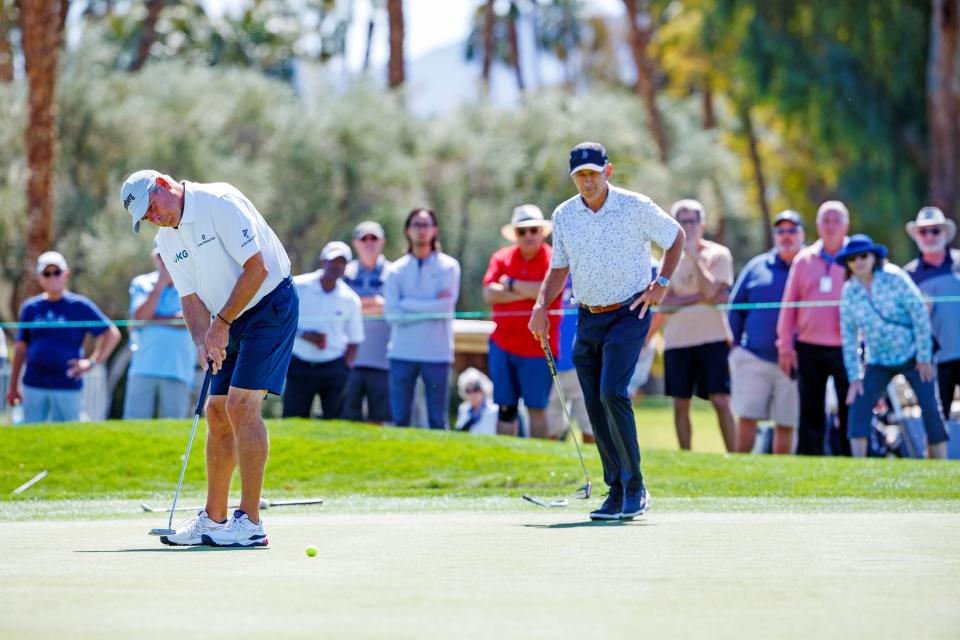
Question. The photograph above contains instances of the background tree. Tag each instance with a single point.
(641, 33)
(943, 105)
(396, 68)
(8, 18)
(41, 20)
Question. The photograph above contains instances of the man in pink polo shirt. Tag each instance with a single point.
(808, 337)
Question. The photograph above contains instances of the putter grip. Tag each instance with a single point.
(204, 389)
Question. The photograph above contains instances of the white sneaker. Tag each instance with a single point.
(190, 532)
(238, 532)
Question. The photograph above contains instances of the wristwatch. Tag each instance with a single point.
(663, 282)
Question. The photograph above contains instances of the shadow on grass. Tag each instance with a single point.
(196, 549)
(589, 523)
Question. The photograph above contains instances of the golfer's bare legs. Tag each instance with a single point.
(681, 420)
(746, 435)
(721, 404)
(243, 409)
(221, 457)
(783, 440)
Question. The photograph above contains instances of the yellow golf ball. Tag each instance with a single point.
(311, 551)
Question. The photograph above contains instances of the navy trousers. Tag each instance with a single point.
(605, 354)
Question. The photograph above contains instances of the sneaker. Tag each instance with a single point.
(238, 532)
(635, 503)
(611, 507)
(190, 532)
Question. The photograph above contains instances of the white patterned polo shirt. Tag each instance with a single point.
(608, 251)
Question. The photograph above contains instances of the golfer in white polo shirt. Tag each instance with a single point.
(241, 308)
(328, 334)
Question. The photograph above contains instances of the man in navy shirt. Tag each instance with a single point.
(760, 390)
(53, 353)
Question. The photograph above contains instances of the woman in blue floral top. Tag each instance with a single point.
(881, 306)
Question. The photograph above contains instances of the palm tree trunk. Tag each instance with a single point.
(943, 106)
(746, 122)
(368, 47)
(641, 33)
(41, 50)
(148, 34)
(6, 51)
(515, 44)
(488, 22)
(396, 67)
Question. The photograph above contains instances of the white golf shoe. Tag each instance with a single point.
(190, 532)
(238, 532)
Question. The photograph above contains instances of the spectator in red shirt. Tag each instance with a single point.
(516, 362)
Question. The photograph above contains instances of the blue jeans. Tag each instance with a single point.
(403, 380)
(51, 405)
(605, 354)
(875, 381)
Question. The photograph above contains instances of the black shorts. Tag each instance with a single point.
(702, 369)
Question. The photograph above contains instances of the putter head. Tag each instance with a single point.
(584, 492)
(162, 532)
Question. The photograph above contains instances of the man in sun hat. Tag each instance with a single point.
(516, 360)
(601, 237)
(240, 305)
(53, 350)
(937, 273)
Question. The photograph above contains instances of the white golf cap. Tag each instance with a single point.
(369, 228)
(336, 249)
(133, 194)
(51, 258)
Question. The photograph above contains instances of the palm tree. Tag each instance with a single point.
(6, 51)
(641, 33)
(495, 36)
(395, 68)
(148, 34)
(943, 105)
(41, 20)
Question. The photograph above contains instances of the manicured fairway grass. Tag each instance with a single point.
(141, 459)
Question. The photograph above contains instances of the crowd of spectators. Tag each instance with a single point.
(796, 316)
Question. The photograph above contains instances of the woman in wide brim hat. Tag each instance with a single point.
(881, 307)
(932, 217)
(525, 216)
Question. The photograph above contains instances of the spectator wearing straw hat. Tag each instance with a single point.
(511, 284)
(881, 306)
(163, 364)
(937, 273)
(53, 351)
(369, 380)
(328, 334)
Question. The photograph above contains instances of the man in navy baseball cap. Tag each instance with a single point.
(588, 155)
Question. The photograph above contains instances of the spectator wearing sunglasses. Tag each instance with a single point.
(937, 273)
(53, 352)
(881, 306)
(370, 380)
(477, 414)
(516, 360)
(759, 389)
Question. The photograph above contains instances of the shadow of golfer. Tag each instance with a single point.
(195, 549)
(589, 523)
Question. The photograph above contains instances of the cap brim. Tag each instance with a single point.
(590, 167)
(338, 254)
(138, 210)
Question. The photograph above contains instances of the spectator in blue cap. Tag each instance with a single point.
(760, 390)
(880, 305)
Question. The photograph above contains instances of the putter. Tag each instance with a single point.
(264, 504)
(583, 493)
(169, 531)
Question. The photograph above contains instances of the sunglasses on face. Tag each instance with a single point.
(421, 225)
(369, 239)
(858, 256)
(51, 274)
(930, 231)
(521, 231)
(686, 222)
(474, 390)
(786, 230)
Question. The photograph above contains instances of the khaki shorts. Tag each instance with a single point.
(761, 391)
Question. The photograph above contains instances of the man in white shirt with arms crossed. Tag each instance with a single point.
(602, 239)
(241, 308)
